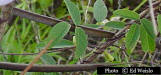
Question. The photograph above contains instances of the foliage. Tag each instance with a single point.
(132, 37)
(147, 42)
(148, 27)
(100, 10)
(115, 24)
(73, 11)
(26, 36)
(127, 14)
(81, 43)
(56, 34)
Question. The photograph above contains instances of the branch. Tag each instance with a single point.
(101, 49)
(56, 68)
(24, 54)
(5, 16)
(36, 58)
(52, 21)
(153, 17)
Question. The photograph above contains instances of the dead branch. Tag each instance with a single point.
(52, 21)
(56, 68)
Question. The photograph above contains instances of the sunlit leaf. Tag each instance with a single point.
(100, 10)
(148, 27)
(127, 14)
(64, 43)
(81, 42)
(108, 56)
(115, 24)
(132, 38)
(147, 43)
(73, 11)
(56, 34)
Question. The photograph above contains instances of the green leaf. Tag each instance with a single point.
(132, 37)
(45, 3)
(100, 10)
(108, 56)
(159, 22)
(56, 34)
(127, 14)
(64, 43)
(74, 61)
(60, 12)
(148, 27)
(73, 11)
(115, 24)
(81, 42)
(46, 59)
(147, 43)
(92, 25)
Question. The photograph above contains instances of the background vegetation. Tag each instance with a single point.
(26, 38)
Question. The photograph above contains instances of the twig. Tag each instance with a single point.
(101, 49)
(86, 11)
(52, 21)
(56, 68)
(153, 57)
(5, 15)
(143, 58)
(126, 57)
(123, 30)
(36, 31)
(153, 17)
(24, 54)
(36, 58)
(119, 4)
(155, 4)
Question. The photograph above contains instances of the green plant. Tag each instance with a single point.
(131, 29)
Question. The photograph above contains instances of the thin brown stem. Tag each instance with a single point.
(5, 16)
(144, 57)
(57, 68)
(51, 50)
(36, 58)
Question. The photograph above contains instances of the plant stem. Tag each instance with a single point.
(140, 5)
(153, 17)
